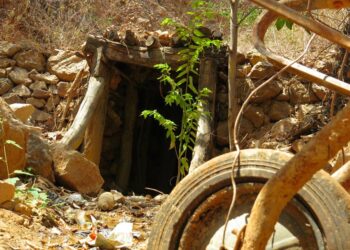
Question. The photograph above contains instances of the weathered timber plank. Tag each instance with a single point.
(141, 56)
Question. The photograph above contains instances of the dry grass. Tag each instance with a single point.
(50, 24)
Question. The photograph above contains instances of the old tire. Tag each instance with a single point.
(324, 199)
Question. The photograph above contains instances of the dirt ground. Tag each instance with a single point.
(72, 221)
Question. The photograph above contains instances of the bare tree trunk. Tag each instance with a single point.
(232, 72)
(281, 188)
(203, 144)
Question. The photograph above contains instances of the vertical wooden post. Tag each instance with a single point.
(232, 64)
(130, 113)
(94, 132)
(203, 144)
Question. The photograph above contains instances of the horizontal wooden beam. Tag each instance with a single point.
(141, 56)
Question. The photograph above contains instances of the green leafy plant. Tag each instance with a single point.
(182, 90)
(281, 22)
(28, 193)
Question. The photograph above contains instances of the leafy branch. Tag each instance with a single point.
(182, 90)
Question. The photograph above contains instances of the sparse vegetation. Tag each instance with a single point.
(183, 92)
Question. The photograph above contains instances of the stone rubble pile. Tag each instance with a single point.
(28, 76)
(282, 112)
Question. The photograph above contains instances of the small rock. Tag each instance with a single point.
(8, 49)
(52, 102)
(62, 88)
(284, 96)
(21, 90)
(38, 85)
(41, 116)
(111, 33)
(280, 110)
(31, 59)
(20, 76)
(6, 62)
(22, 111)
(261, 70)
(53, 89)
(23, 209)
(11, 98)
(7, 191)
(41, 94)
(37, 103)
(254, 57)
(299, 93)
(255, 115)
(130, 38)
(284, 129)
(3, 73)
(270, 91)
(142, 20)
(118, 197)
(46, 77)
(160, 198)
(5, 85)
(76, 198)
(320, 91)
(106, 201)
(66, 65)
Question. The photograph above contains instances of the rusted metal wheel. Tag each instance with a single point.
(193, 215)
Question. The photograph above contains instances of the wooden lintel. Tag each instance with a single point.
(141, 56)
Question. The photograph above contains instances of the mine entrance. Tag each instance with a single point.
(136, 155)
(154, 165)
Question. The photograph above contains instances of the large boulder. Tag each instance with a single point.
(74, 171)
(8, 49)
(66, 65)
(31, 59)
(13, 131)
